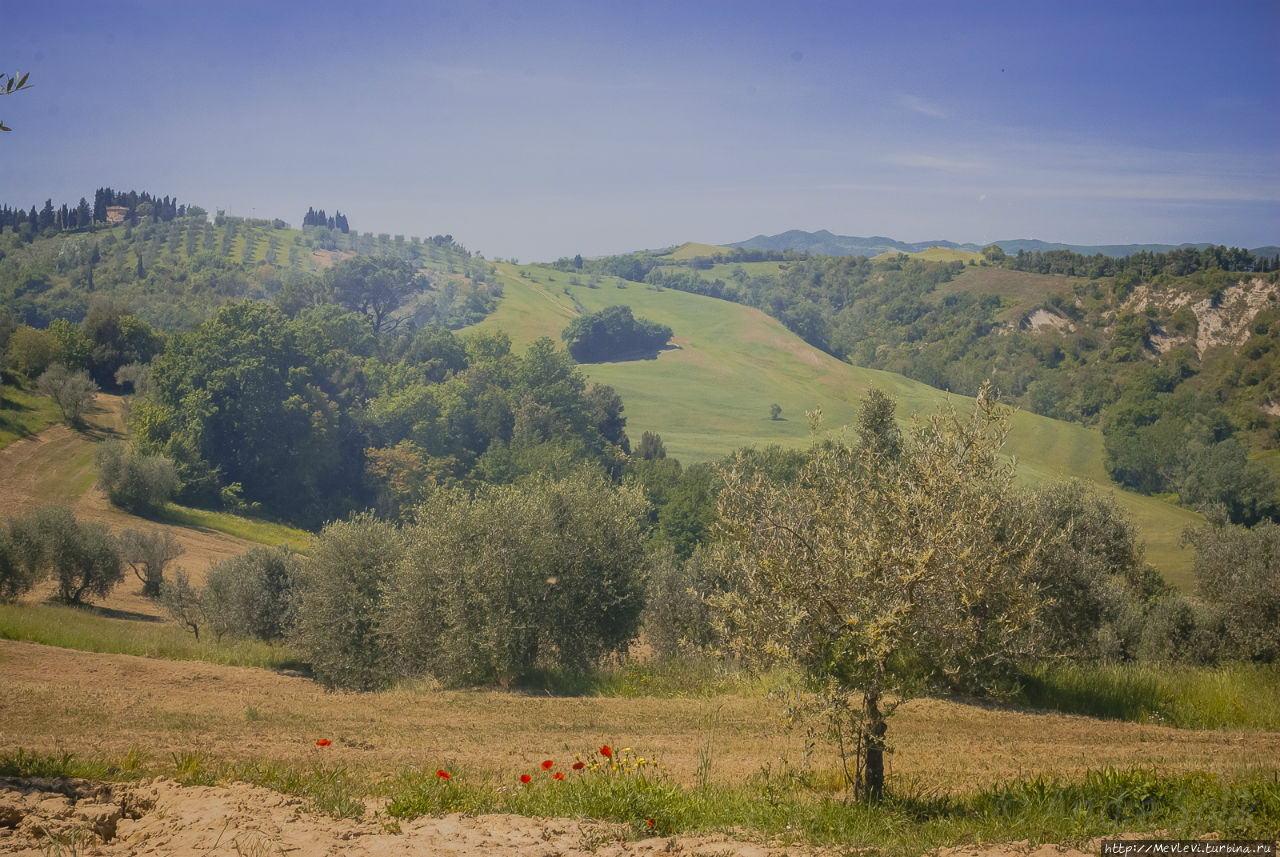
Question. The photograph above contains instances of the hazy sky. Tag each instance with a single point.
(541, 129)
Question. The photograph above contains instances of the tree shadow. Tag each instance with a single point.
(110, 612)
(628, 356)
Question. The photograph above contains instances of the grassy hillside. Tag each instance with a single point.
(712, 392)
(693, 250)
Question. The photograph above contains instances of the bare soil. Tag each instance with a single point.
(164, 818)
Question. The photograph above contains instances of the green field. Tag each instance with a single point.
(1018, 287)
(939, 254)
(712, 392)
(23, 414)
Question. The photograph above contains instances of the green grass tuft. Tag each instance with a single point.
(243, 527)
(1237, 696)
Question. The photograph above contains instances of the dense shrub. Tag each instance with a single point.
(1090, 571)
(613, 333)
(1176, 630)
(251, 595)
(546, 573)
(339, 603)
(17, 574)
(138, 483)
(677, 619)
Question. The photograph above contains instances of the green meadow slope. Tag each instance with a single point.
(712, 392)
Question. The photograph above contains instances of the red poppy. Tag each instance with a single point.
(558, 775)
(525, 778)
(442, 774)
(323, 742)
(578, 766)
(650, 820)
(547, 765)
(606, 751)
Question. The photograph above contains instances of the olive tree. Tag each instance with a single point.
(72, 391)
(884, 569)
(1091, 572)
(542, 573)
(339, 603)
(251, 595)
(82, 557)
(1237, 573)
(140, 483)
(148, 554)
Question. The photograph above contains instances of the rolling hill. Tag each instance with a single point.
(712, 392)
(825, 243)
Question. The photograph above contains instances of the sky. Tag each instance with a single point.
(539, 130)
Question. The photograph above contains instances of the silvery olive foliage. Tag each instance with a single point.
(888, 567)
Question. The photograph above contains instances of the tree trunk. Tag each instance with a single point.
(873, 746)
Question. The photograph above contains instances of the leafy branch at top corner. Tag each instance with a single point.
(10, 84)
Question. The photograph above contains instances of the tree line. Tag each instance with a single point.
(1143, 266)
(337, 221)
(84, 216)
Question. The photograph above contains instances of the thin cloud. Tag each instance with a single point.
(920, 105)
(944, 163)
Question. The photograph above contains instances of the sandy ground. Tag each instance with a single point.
(42, 817)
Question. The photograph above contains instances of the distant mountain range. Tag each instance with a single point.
(825, 243)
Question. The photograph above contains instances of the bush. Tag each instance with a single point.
(17, 575)
(1090, 571)
(339, 606)
(138, 483)
(1177, 631)
(251, 595)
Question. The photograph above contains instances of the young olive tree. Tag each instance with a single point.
(148, 554)
(138, 483)
(251, 595)
(183, 602)
(72, 391)
(885, 569)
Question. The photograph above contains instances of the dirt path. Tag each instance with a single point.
(56, 466)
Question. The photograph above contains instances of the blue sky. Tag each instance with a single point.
(535, 130)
